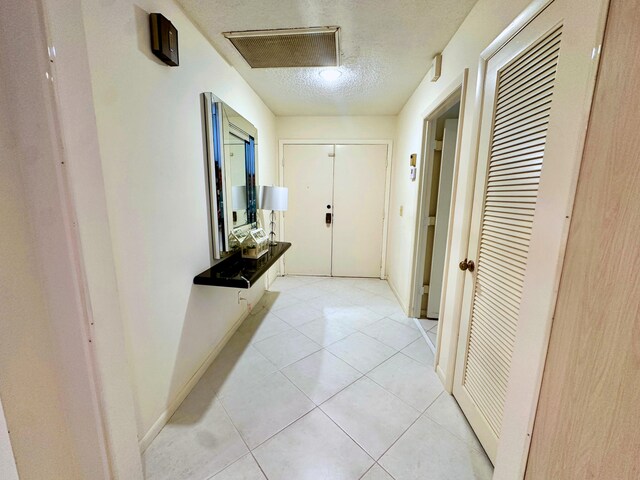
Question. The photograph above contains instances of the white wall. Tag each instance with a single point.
(487, 19)
(150, 134)
(337, 128)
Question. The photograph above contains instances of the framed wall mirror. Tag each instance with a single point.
(230, 162)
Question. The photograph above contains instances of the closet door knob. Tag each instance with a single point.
(467, 265)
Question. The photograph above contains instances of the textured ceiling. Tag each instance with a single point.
(387, 47)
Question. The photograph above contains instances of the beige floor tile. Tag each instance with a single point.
(235, 368)
(403, 319)
(428, 450)
(392, 333)
(428, 324)
(286, 348)
(420, 351)
(298, 314)
(243, 398)
(370, 415)
(263, 325)
(377, 473)
(415, 383)
(384, 305)
(446, 412)
(266, 408)
(329, 300)
(289, 282)
(198, 442)
(325, 332)
(244, 469)
(355, 316)
(433, 336)
(273, 301)
(306, 292)
(313, 448)
(361, 351)
(321, 375)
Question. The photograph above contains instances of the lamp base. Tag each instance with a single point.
(272, 225)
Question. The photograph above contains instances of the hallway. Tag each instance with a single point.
(326, 379)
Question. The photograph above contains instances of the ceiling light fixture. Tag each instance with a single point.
(330, 74)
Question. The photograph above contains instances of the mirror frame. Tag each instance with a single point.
(220, 121)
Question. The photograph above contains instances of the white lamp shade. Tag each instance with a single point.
(274, 198)
(238, 198)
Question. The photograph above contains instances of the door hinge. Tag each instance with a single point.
(438, 146)
(331, 154)
(431, 221)
(425, 289)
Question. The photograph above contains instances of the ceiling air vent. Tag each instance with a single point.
(294, 47)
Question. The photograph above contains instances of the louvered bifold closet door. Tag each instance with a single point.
(524, 94)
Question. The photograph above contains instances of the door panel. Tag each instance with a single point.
(308, 174)
(359, 188)
(442, 216)
(517, 106)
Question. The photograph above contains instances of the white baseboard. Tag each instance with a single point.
(164, 417)
(443, 379)
(430, 344)
(405, 309)
(424, 335)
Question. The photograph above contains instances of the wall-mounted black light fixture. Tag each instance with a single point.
(164, 39)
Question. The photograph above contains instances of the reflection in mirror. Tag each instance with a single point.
(238, 174)
(231, 174)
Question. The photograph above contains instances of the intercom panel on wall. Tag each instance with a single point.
(164, 39)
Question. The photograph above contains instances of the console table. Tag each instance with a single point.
(237, 272)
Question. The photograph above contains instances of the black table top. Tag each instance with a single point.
(237, 272)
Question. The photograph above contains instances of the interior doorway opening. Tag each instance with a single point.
(441, 137)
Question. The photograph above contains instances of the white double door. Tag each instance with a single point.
(335, 219)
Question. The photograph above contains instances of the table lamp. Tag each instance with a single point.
(276, 200)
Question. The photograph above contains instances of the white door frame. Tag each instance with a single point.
(532, 337)
(387, 189)
(82, 279)
(455, 92)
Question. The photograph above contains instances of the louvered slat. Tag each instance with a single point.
(523, 115)
(521, 120)
(534, 118)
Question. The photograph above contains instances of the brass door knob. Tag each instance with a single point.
(467, 265)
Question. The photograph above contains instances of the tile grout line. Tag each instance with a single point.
(318, 405)
(392, 394)
(286, 426)
(399, 323)
(387, 390)
(435, 420)
(324, 348)
(352, 439)
(266, 440)
(258, 463)
(224, 409)
(283, 428)
(405, 432)
(398, 351)
(385, 470)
